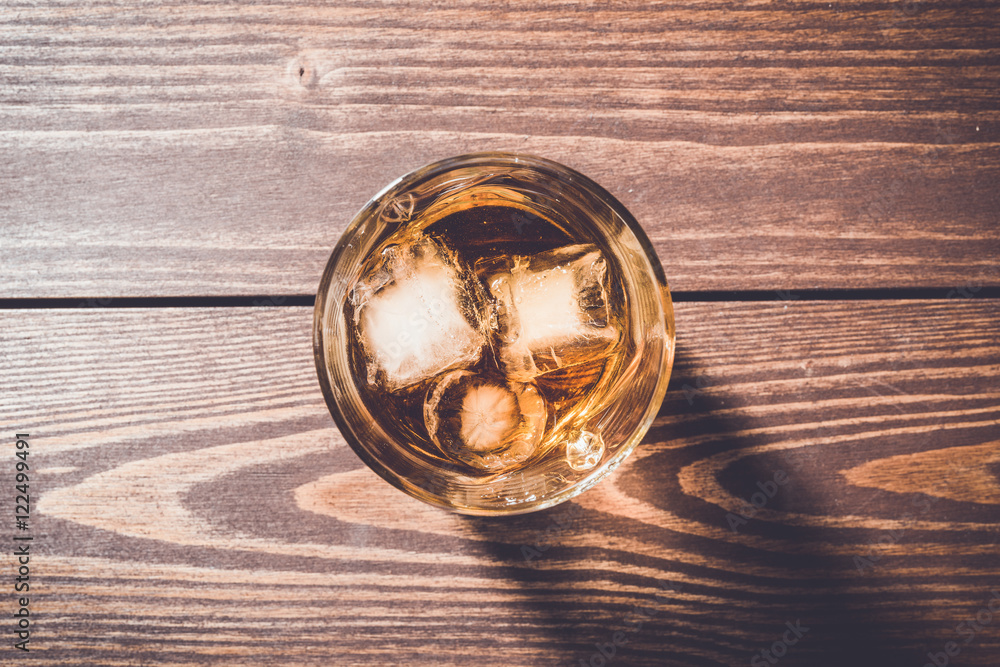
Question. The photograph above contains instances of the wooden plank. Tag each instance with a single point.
(220, 149)
(193, 503)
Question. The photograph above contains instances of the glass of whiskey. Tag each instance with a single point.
(493, 333)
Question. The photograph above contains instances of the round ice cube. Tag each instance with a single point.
(489, 424)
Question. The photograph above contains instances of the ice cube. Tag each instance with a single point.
(415, 315)
(551, 310)
(584, 450)
(489, 424)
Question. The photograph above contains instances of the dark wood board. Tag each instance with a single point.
(154, 149)
(195, 505)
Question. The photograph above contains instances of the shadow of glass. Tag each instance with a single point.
(652, 567)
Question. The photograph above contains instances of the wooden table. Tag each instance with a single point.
(819, 179)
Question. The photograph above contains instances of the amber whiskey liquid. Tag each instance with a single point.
(485, 334)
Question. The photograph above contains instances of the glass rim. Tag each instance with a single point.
(435, 169)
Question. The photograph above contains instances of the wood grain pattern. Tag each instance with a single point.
(193, 503)
(220, 148)
(197, 506)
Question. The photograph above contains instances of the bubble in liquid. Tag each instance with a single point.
(584, 450)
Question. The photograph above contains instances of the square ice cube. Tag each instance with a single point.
(415, 315)
(552, 310)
